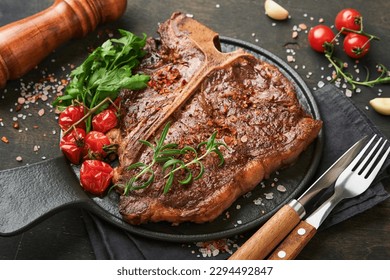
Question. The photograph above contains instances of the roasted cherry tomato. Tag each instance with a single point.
(104, 121)
(319, 35)
(95, 176)
(71, 115)
(356, 45)
(96, 145)
(72, 145)
(348, 18)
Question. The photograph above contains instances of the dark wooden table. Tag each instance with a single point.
(63, 236)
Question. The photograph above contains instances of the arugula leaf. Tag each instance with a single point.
(106, 71)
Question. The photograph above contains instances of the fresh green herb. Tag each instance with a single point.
(106, 71)
(169, 156)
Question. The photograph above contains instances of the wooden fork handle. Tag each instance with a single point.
(260, 244)
(24, 43)
(293, 244)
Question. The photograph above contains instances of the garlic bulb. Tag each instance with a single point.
(274, 10)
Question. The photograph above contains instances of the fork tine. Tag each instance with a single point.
(359, 169)
(373, 160)
(353, 164)
(380, 163)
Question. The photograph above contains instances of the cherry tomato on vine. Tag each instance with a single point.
(95, 176)
(104, 121)
(319, 35)
(356, 45)
(71, 115)
(72, 145)
(348, 18)
(97, 145)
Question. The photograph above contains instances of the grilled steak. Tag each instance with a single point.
(199, 90)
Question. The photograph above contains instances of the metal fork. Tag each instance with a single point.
(353, 181)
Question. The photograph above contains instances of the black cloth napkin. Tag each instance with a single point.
(344, 124)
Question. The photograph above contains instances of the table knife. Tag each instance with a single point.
(356, 179)
(262, 243)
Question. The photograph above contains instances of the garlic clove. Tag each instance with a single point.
(274, 10)
(381, 105)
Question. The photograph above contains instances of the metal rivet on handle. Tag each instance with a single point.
(301, 231)
(282, 254)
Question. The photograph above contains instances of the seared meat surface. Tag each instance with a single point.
(199, 90)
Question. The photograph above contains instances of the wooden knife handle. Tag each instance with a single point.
(260, 244)
(24, 43)
(293, 244)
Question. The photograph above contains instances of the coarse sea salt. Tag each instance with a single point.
(320, 84)
(258, 201)
(269, 195)
(281, 188)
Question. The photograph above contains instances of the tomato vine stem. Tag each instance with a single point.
(90, 113)
(339, 67)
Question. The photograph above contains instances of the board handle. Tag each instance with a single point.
(31, 193)
(25, 43)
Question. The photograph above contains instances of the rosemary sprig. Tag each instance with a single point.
(169, 156)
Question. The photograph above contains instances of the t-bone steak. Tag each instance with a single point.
(251, 105)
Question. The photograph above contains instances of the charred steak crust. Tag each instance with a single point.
(249, 102)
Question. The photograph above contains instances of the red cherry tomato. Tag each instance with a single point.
(356, 45)
(95, 176)
(319, 35)
(72, 145)
(348, 18)
(104, 121)
(71, 115)
(96, 145)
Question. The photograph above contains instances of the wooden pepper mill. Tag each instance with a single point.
(25, 43)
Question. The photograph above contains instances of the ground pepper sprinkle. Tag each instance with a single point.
(5, 139)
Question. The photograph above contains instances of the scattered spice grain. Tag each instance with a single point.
(5, 139)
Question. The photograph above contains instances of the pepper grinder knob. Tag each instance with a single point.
(25, 43)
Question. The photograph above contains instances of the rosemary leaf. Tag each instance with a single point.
(164, 134)
(150, 180)
(201, 171)
(172, 163)
(188, 179)
(146, 143)
(169, 183)
(189, 149)
(169, 152)
(169, 146)
(221, 159)
(136, 165)
(162, 159)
